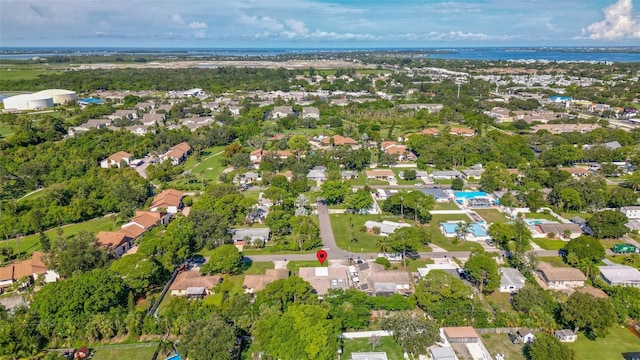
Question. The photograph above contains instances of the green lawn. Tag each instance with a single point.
(492, 216)
(540, 216)
(550, 244)
(31, 243)
(554, 261)
(414, 264)
(500, 344)
(446, 206)
(17, 72)
(387, 344)
(259, 268)
(631, 260)
(143, 351)
(294, 266)
(210, 166)
(500, 300)
(5, 130)
(619, 341)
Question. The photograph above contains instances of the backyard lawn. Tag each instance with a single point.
(500, 344)
(619, 341)
(492, 216)
(365, 242)
(540, 216)
(446, 206)
(259, 268)
(500, 300)
(129, 351)
(387, 344)
(550, 244)
(631, 260)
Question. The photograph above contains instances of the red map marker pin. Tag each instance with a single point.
(322, 256)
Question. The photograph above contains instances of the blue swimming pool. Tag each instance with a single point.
(477, 230)
(534, 222)
(449, 228)
(470, 194)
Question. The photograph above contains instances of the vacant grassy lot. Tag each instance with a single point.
(414, 264)
(619, 341)
(492, 216)
(294, 266)
(5, 130)
(210, 166)
(142, 351)
(342, 231)
(387, 344)
(500, 300)
(631, 260)
(446, 206)
(554, 260)
(31, 243)
(540, 216)
(259, 268)
(550, 244)
(500, 344)
(14, 72)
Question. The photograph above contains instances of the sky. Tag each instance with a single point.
(318, 23)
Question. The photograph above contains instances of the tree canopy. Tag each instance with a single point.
(483, 272)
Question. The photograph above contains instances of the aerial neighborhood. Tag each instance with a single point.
(372, 207)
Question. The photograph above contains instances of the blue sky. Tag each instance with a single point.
(318, 23)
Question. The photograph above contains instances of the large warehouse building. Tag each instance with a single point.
(39, 100)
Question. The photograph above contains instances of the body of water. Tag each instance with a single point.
(626, 54)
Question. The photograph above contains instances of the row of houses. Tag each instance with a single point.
(176, 154)
(26, 272)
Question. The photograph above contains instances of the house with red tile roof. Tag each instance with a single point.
(116, 160)
(26, 270)
(117, 241)
(338, 140)
(464, 132)
(170, 200)
(177, 153)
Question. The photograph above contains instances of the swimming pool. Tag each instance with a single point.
(533, 222)
(470, 194)
(477, 230)
(449, 228)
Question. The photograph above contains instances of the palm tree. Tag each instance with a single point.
(462, 229)
(383, 244)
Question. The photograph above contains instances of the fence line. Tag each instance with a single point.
(154, 308)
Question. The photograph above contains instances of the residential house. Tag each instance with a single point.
(310, 113)
(446, 175)
(383, 194)
(378, 355)
(445, 264)
(595, 292)
(170, 200)
(161, 218)
(152, 119)
(632, 212)
(577, 172)
(118, 160)
(431, 108)
(288, 174)
(560, 277)
(429, 131)
(526, 336)
(117, 241)
(348, 175)
(564, 128)
(460, 335)
(338, 140)
(234, 110)
(556, 230)
(324, 278)
(249, 235)
(438, 194)
(26, 270)
(177, 153)
(383, 282)
(472, 174)
(143, 221)
(90, 124)
(280, 112)
(249, 177)
(381, 174)
(254, 283)
(511, 280)
(257, 215)
(442, 353)
(611, 145)
(501, 114)
(384, 228)
(123, 114)
(192, 284)
(566, 335)
(620, 275)
(401, 152)
(145, 105)
(317, 174)
(464, 132)
(137, 130)
(339, 102)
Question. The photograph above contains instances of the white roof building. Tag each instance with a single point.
(621, 275)
(511, 280)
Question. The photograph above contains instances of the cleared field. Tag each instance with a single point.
(387, 344)
(22, 73)
(259, 268)
(134, 351)
(446, 206)
(492, 216)
(554, 260)
(619, 341)
(540, 216)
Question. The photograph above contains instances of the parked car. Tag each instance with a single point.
(514, 339)
(489, 242)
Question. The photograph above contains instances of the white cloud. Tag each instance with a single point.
(198, 25)
(177, 18)
(618, 23)
(199, 35)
